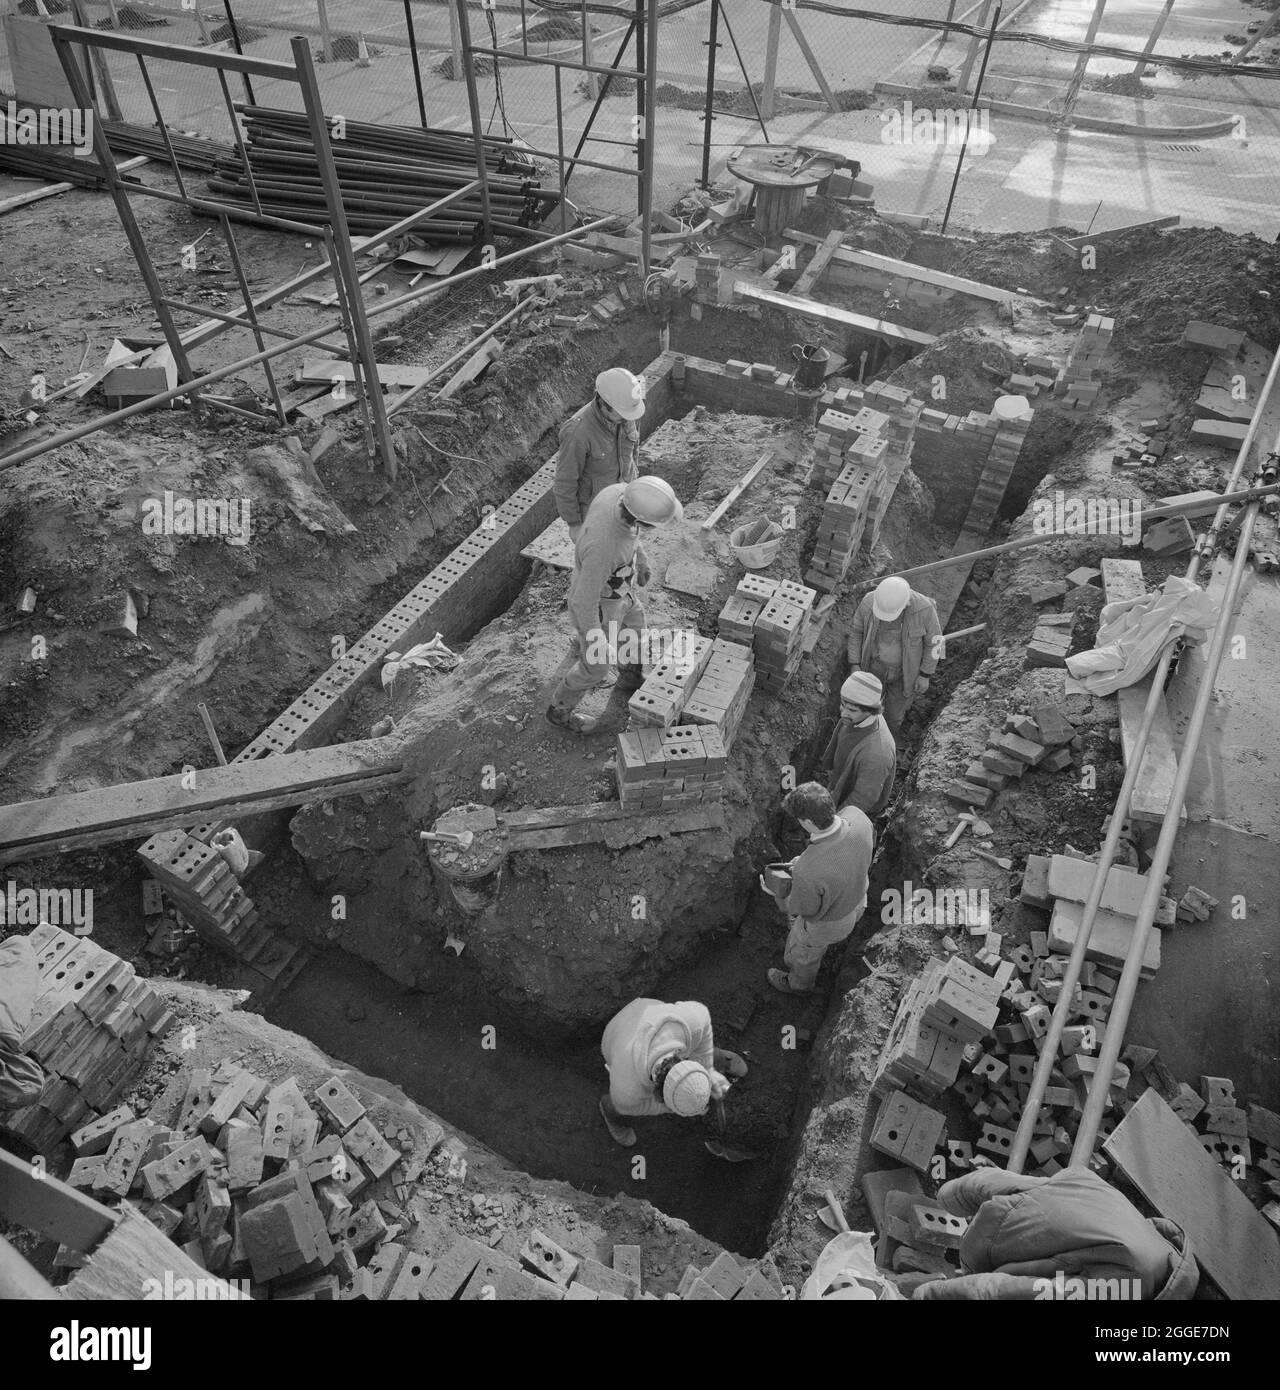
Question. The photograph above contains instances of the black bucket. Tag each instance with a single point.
(811, 366)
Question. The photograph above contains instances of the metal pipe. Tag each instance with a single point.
(650, 136)
(449, 363)
(235, 43)
(177, 53)
(973, 106)
(1082, 62)
(611, 71)
(500, 55)
(473, 105)
(417, 66)
(1120, 810)
(708, 111)
(751, 91)
(1154, 514)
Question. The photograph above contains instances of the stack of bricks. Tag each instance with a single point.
(844, 517)
(918, 1056)
(660, 701)
(1051, 640)
(838, 432)
(663, 769)
(92, 1026)
(1044, 738)
(731, 1280)
(206, 893)
(706, 277)
(772, 616)
(721, 694)
(1080, 379)
(1142, 446)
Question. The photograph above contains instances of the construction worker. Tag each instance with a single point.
(894, 637)
(661, 1059)
(861, 758)
(1044, 1238)
(21, 1078)
(828, 888)
(598, 445)
(606, 615)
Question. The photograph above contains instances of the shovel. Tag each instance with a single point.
(719, 1149)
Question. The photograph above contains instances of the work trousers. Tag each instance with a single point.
(807, 943)
(623, 622)
(897, 699)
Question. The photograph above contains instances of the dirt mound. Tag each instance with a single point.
(953, 366)
(483, 67)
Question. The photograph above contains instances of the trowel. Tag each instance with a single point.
(832, 1215)
(461, 838)
(719, 1148)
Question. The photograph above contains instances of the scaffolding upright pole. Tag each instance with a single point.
(1082, 62)
(647, 67)
(708, 115)
(347, 277)
(417, 65)
(459, 8)
(973, 106)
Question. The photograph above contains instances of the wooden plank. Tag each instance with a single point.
(29, 823)
(1121, 581)
(553, 547)
(470, 369)
(1076, 242)
(1233, 1244)
(630, 828)
(547, 817)
(887, 265)
(137, 1257)
(51, 190)
(49, 1207)
(389, 374)
(818, 263)
(810, 308)
(737, 490)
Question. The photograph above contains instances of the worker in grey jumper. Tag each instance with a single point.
(662, 1059)
(861, 759)
(895, 636)
(1042, 1238)
(608, 620)
(21, 1077)
(598, 445)
(828, 891)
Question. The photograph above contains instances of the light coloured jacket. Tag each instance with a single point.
(604, 560)
(21, 1079)
(919, 628)
(1024, 1230)
(593, 456)
(829, 880)
(641, 1036)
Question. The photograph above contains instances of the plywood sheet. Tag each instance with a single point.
(1233, 1243)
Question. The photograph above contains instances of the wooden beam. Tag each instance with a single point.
(627, 827)
(134, 1258)
(388, 374)
(50, 1207)
(818, 263)
(820, 77)
(53, 189)
(845, 255)
(135, 809)
(772, 34)
(737, 490)
(1088, 238)
(810, 308)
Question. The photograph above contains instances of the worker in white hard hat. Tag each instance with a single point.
(609, 563)
(827, 892)
(662, 1059)
(895, 636)
(859, 762)
(598, 445)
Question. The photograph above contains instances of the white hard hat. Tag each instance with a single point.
(623, 390)
(862, 688)
(890, 598)
(651, 500)
(687, 1089)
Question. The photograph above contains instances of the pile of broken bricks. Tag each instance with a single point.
(1045, 738)
(1146, 445)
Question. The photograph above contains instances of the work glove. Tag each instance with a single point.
(921, 685)
(719, 1084)
(642, 571)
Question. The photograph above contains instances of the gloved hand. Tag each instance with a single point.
(921, 685)
(575, 532)
(719, 1084)
(643, 573)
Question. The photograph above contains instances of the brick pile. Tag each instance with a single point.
(663, 769)
(201, 885)
(669, 679)
(706, 277)
(93, 1024)
(839, 432)
(727, 1278)
(771, 616)
(1079, 379)
(1045, 738)
(1142, 446)
(1051, 639)
(850, 501)
(720, 697)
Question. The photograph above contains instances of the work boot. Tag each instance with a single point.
(621, 1134)
(630, 677)
(570, 720)
(780, 981)
(730, 1063)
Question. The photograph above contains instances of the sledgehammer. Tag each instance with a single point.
(461, 838)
